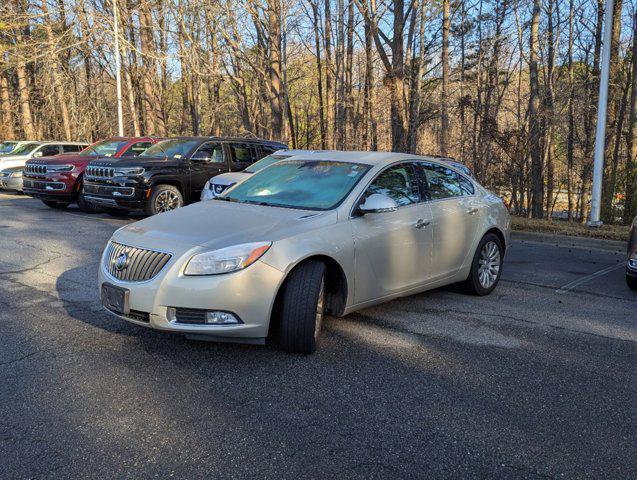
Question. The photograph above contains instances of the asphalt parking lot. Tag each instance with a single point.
(535, 381)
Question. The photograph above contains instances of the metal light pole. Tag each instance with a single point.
(600, 135)
(118, 74)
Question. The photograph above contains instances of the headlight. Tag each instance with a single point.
(125, 172)
(226, 260)
(16, 174)
(60, 168)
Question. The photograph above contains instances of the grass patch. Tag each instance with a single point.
(609, 232)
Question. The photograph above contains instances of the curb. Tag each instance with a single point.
(570, 241)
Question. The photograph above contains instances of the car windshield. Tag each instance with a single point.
(303, 184)
(176, 148)
(107, 148)
(24, 149)
(6, 147)
(265, 162)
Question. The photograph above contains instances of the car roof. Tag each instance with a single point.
(368, 158)
(229, 139)
(290, 153)
(49, 142)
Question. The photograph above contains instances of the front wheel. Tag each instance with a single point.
(631, 282)
(56, 205)
(486, 267)
(85, 206)
(163, 199)
(302, 307)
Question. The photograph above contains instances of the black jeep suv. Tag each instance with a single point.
(169, 174)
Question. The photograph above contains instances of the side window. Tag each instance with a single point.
(50, 150)
(210, 152)
(136, 148)
(442, 182)
(466, 186)
(399, 183)
(243, 153)
(71, 148)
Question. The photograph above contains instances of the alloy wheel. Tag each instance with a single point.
(166, 201)
(489, 265)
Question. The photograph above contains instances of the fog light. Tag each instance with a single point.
(221, 318)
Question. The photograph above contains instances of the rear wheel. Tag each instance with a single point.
(56, 205)
(164, 198)
(486, 267)
(631, 282)
(302, 307)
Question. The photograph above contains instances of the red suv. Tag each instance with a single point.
(57, 181)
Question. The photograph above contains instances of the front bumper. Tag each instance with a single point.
(11, 183)
(248, 294)
(60, 187)
(125, 196)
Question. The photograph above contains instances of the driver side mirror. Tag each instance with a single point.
(378, 203)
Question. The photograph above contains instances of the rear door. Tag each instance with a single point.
(456, 215)
(207, 161)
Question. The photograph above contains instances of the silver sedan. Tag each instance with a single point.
(329, 234)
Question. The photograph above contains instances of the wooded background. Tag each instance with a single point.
(508, 87)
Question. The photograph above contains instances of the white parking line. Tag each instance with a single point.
(579, 282)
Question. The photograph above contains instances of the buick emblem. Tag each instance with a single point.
(120, 262)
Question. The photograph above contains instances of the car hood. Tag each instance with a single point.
(136, 162)
(229, 178)
(13, 158)
(218, 224)
(63, 159)
(14, 162)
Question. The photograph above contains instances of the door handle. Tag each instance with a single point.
(472, 210)
(420, 223)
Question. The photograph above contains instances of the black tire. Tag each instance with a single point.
(473, 284)
(56, 205)
(164, 198)
(631, 282)
(85, 206)
(116, 212)
(299, 304)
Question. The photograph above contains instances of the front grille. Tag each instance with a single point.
(132, 264)
(37, 169)
(100, 172)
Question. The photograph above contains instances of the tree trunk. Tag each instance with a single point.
(444, 107)
(537, 167)
(5, 100)
(276, 87)
(630, 208)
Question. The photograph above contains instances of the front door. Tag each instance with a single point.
(393, 249)
(207, 162)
